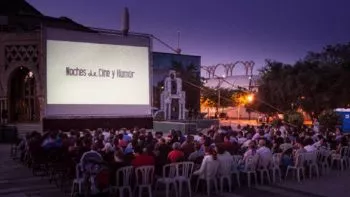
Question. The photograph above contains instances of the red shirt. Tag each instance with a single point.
(175, 156)
(143, 160)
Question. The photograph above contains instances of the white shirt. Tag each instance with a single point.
(265, 155)
(241, 140)
(310, 148)
(225, 161)
(209, 167)
(246, 143)
(256, 136)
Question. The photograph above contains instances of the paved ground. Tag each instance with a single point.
(17, 180)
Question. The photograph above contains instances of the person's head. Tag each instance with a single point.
(261, 132)
(203, 139)
(161, 141)
(262, 143)
(251, 145)
(226, 138)
(190, 139)
(159, 135)
(197, 146)
(95, 147)
(138, 150)
(299, 143)
(176, 146)
(220, 149)
(211, 151)
(337, 131)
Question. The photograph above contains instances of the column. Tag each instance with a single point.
(1, 108)
(180, 109)
(168, 111)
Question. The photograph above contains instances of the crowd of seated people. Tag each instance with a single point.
(137, 147)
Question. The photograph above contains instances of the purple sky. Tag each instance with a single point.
(221, 31)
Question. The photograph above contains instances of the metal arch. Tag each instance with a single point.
(228, 68)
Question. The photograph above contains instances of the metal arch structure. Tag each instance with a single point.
(228, 69)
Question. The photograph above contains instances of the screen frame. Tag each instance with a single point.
(103, 37)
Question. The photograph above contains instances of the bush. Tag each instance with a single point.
(329, 120)
(276, 122)
(294, 118)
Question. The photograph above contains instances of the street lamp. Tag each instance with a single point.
(250, 98)
(221, 80)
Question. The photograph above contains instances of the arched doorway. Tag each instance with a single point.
(23, 102)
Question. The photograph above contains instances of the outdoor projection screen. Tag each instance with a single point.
(92, 74)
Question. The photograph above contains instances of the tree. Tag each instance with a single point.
(294, 118)
(329, 120)
(314, 84)
(211, 95)
(191, 83)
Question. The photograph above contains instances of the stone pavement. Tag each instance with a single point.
(16, 180)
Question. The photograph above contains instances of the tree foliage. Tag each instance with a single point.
(328, 120)
(294, 118)
(316, 83)
(191, 83)
(228, 97)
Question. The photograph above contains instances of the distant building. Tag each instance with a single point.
(187, 67)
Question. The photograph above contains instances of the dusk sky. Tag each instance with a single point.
(221, 31)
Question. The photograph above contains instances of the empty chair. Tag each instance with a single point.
(298, 166)
(340, 159)
(144, 179)
(250, 168)
(263, 168)
(322, 160)
(235, 172)
(123, 180)
(224, 172)
(168, 178)
(184, 173)
(78, 180)
(310, 160)
(275, 167)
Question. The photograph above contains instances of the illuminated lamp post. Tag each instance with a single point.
(221, 80)
(250, 99)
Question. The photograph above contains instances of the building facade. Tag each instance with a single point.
(22, 63)
(187, 68)
(22, 94)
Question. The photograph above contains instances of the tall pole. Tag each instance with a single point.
(219, 103)
(250, 90)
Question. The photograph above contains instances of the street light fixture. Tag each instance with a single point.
(250, 98)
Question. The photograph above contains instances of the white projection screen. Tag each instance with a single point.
(95, 74)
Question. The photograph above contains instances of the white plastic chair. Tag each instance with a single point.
(263, 168)
(224, 173)
(209, 176)
(237, 158)
(275, 167)
(298, 166)
(341, 158)
(78, 180)
(310, 160)
(168, 178)
(184, 174)
(235, 172)
(144, 179)
(323, 164)
(250, 168)
(123, 180)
